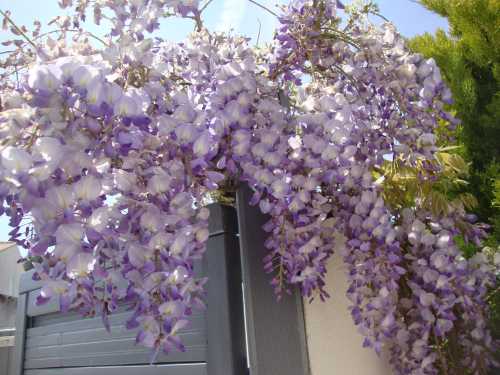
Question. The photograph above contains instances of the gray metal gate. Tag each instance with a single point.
(52, 343)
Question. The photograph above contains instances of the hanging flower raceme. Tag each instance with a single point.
(108, 155)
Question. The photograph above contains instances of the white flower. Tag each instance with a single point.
(442, 282)
(260, 150)
(66, 251)
(124, 181)
(178, 276)
(179, 324)
(430, 276)
(70, 234)
(151, 220)
(414, 238)
(407, 71)
(183, 204)
(241, 148)
(99, 219)
(13, 121)
(202, 235)
(84, 75)
(43, 211)
(16, 160)
(443, 240)
(280, 188)
(171, 309)
(477, 334)
(295, 205)
(391, 236)
(329, 153)
(151, 331)
(137, 255)
(429, 360)
(426, 140)
(62, 197)
(379, 231)
(53, 288)
(160, 240)
(311, 245)
(166, 125)
(178, 245)
(309, 103)
(368, 197)
(204, 213)
(402, 336)
(184, 114)
(349, 152)
(49, 149)
(74, 161)
(388, 321)
(185, 133)
(159, 183)
(11, 99)
(125, 106)
(439, 261)
(88, 188)
(428, 239)
(295, 142)
(96, 92)
(190, 3)
(418, 226)
(445, 325)
(202, 145)
(428, 315)
(80, 265)
(138, 25)
(42, 77)
(113, 93)
(426, 68)
(67, 65)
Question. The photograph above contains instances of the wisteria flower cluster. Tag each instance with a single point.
(108, 154)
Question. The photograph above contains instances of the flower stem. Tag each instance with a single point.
(205, 6)
(264, 7)
(18, 29)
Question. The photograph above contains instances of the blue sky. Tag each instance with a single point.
(240, 15)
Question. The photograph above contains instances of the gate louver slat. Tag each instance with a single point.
(191, 369)
(58, 340)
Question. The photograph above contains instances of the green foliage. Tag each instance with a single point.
(440, 192)
(467, 248)
(469, 58)
(496, 191)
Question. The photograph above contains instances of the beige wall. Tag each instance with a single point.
(335, 346)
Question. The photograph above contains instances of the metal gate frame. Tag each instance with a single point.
(271, 334)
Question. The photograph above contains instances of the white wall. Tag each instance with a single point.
(10, 270)
(7, 362)
(8, 310)
(335, 346)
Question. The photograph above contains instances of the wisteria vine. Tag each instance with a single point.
(110, 146)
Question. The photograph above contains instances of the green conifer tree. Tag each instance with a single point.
(469, 58)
